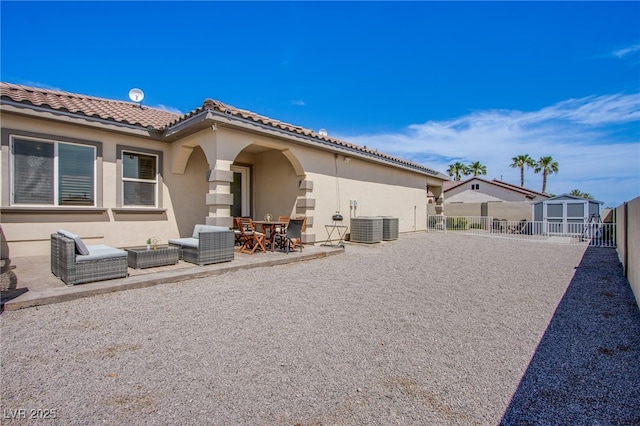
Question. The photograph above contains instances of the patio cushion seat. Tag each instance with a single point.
(207, 228)
(188, 242)
(100, 251)
(209, 244)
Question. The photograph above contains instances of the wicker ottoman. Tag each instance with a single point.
(140, 257)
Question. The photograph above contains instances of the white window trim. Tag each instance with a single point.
(156, 181)
(56, 176)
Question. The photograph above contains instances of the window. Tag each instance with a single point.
(554, 210)
(139, 179)
(576, 210)
(51, 173)
(475, 186)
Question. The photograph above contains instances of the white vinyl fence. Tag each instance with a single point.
(594, 234)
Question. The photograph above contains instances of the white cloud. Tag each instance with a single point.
(168, 109)
(595, 141)
(40, 85)
(625, 51)
(298, 102)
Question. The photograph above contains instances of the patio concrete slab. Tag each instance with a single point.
(33, 284)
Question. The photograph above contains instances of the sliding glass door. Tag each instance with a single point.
(240, 189)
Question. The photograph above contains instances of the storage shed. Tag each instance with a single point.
(566, 214)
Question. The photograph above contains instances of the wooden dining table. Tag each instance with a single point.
(269, 228)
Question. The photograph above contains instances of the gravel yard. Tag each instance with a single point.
(429, 329)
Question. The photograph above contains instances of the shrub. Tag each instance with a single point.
(457, 223)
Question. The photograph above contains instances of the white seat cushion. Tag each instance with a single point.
(185, 242)
(101, 251)
(207, 228)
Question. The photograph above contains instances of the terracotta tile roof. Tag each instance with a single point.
(213, 105)
(130, 113)
(90, 106)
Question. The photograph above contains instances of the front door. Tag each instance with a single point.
(240, 191)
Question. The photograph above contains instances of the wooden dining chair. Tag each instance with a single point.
(251, 239)
(285, 220)
(239, 236)
(297, 242)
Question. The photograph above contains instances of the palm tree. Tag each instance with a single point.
(477, 168)
(520, 161)
(456, 169)
(578, 193)
(546, 165)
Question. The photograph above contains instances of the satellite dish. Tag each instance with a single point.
(136, 95)
(322, 132)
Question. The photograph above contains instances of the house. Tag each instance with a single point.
(481, 197)
(118, 172)
(567, 214)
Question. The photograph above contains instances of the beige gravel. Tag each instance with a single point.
(428, 329)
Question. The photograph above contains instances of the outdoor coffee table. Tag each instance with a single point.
(141, 257)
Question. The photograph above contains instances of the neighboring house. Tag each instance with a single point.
(116, 172)
(481, 197)
(478, 190)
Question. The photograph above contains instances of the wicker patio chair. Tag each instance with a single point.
(100, 263)
(209, 244)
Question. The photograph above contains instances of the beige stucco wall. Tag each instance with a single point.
(516, 210)
(628, 241)
(28, 233)
(287, 178)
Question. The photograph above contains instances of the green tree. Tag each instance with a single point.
(520, 162)
(477, 168)
(456, 169)
(578, 193)
(546, 165)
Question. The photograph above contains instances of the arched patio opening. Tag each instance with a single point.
(265, 181)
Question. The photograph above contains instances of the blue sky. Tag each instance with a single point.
(432, 82)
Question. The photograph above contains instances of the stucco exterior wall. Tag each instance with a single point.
(486, 192)
(27, 234)
(515, 211)
(628, 241)
(287, 178)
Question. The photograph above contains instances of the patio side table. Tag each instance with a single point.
(141, 257)
(341, 231)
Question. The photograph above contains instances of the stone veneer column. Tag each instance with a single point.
(305, 205)
(219, 199)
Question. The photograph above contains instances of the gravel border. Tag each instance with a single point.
(428, 329)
